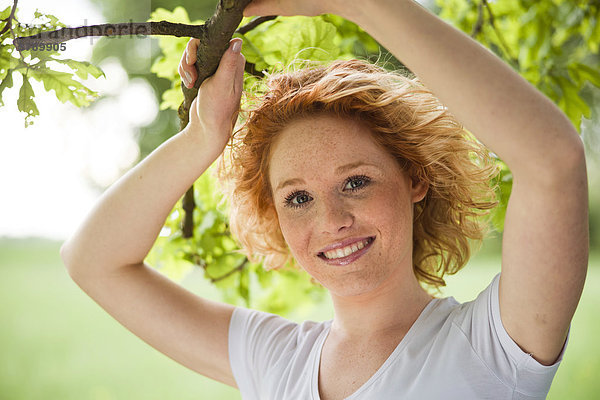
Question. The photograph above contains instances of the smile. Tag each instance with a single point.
(346, 255)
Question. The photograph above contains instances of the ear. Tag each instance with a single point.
(418, 190)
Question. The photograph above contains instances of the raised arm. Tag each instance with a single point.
(105, 256)
(545, 239)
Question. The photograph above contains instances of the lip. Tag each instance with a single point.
(344, 243)
(349, 258)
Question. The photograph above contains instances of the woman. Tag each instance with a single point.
(348, 208)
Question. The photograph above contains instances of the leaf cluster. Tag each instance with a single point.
(215, 252)
(41, 65)
(549, 43)
(269, 47)
(553, 44)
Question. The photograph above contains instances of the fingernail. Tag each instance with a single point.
(237, 46)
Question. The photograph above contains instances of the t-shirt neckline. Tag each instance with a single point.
(316, 359)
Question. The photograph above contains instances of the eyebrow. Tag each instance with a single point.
(339, 170)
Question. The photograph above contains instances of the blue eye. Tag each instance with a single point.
(300, 198)
(357, 182)
(297, 199)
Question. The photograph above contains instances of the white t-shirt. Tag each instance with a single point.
(452, 351)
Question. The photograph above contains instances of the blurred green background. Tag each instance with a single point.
(56, 343)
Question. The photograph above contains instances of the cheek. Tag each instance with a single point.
(296, 232)
(391, 211)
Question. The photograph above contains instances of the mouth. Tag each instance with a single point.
(347, 254)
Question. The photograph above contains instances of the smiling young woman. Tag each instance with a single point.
(366, 180)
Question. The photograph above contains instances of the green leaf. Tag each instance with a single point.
(7, 61)
(504, 182)
(588, 73)
(179, 14)
(51, 22)
(243, 286)
(352, 38)
(252, 53)
(172, 98)
(81, 68)
(285, 40)
(6, 82)
(208, 221)
(25, 102)
(571, 103)
(65, 87)
(4, 14)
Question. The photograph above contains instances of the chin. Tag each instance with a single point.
(353, 284)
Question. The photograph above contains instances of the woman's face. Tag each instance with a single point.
(343, 203)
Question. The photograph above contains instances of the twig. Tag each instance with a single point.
(499, 34)
(479, 24)
(10, 18)
(254, 23)
(229, 273)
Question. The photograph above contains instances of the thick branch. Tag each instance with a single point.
(138, 29)
(218, 32)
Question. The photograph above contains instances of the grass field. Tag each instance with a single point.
(57, 344)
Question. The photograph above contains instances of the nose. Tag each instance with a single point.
(334, 214)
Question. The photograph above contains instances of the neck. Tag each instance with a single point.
(392, 307)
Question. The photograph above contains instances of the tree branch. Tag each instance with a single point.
(229, 273)
(110, 30)
(214, 37)
(254, 23)
(479, 23)
(499, 34)
(218, 31)
(10, 18)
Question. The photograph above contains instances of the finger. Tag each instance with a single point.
(187, 72)
(184, 79)
(238, 81)
(188, 77)
(229, 64)
(190, 51)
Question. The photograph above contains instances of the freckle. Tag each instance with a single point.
(541, 318)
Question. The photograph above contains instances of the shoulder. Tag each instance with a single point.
(266, 349)
(467, 349)
(259, 324)
(479, 324)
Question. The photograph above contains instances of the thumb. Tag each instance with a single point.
(230, 63)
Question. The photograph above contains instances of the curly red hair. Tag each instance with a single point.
(406, 119)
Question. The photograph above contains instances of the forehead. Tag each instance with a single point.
(320, 144)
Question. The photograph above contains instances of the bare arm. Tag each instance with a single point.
(105, 256)
(545, 240)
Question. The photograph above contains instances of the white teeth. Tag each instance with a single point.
(346, 251)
